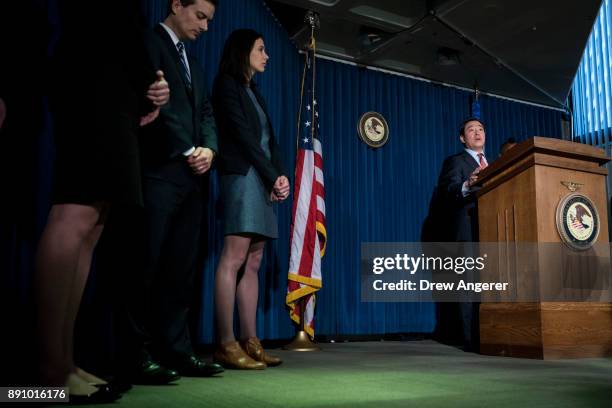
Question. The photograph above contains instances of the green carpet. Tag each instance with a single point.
(392, 374)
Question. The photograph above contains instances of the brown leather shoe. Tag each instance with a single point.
(230, 355)
(253, 348)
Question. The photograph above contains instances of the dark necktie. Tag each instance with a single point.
(181, 50)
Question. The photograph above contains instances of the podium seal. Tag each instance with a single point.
(577, 221)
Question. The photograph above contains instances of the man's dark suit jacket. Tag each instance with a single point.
(240, 132)
(173, 197)
(186, 120)
(458, 222)
(460, 212)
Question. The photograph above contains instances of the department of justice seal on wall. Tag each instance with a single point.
(577, 221)
(373, 129)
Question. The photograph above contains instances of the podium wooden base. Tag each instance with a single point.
(546, 330)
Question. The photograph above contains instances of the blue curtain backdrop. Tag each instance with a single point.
(592, 88)
(372, 195)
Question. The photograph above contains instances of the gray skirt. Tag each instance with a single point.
(247, 208)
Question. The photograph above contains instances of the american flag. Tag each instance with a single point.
(577, 224)
(308, 234)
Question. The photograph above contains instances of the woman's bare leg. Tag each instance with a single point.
(57, 259)
(247, 291)
(83, 268)
(233, 257)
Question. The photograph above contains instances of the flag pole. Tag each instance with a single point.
(301, 341)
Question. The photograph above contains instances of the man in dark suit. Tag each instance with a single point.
(177, 150)
(456, 188)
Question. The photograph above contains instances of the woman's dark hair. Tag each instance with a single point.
(235, 60)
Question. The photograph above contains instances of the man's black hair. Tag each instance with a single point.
(465, 122)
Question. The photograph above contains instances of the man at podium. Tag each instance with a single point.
(457, 190)
(457, 178)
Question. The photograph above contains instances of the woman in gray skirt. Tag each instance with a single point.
(252, 179)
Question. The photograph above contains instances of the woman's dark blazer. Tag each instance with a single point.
(240, 132)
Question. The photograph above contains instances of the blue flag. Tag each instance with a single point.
(476, 107)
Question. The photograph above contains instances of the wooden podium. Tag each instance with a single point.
(517, 204)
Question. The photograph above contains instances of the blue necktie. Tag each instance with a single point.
(181, 50)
